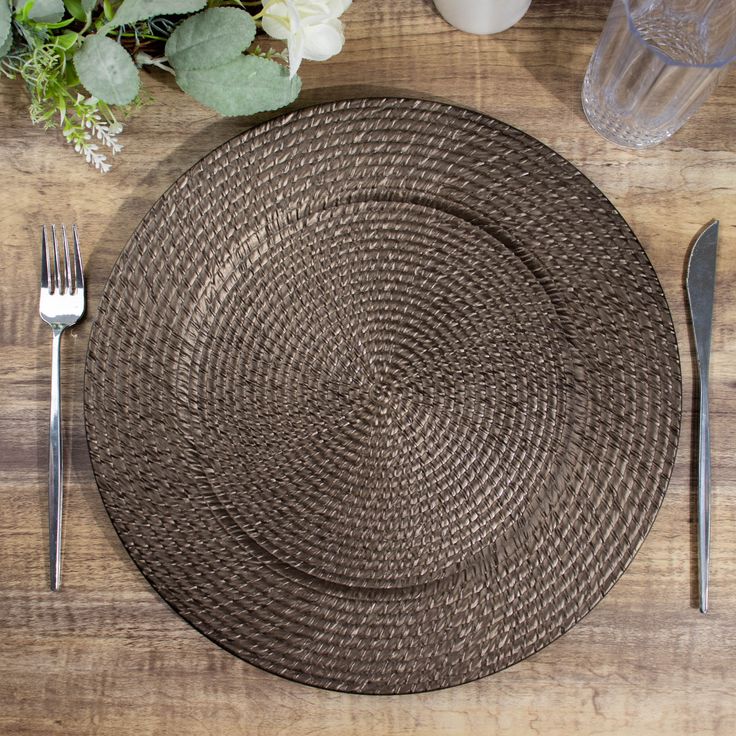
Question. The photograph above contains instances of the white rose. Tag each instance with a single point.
(311, 28)
(340, 5)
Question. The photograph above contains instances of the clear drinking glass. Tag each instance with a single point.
(656, 63)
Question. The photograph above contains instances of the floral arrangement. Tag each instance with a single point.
(81, 59)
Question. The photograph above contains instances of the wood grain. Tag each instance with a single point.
(107, 656)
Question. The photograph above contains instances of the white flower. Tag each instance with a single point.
(311, 28)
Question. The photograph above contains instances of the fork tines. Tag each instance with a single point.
(53, 278)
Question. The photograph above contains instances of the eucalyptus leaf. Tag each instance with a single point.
(6, 29)
(44, 11)
(131, 11)
(106, 70)
(88, 5)
(244, 86)
(6, 45)
(210, 39)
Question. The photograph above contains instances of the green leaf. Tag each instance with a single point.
(210, 38)
(106, 70)
(71, 78)
(67, 40)
(131, 11)
(244, 86)
(88, 5)
(75, 9)
(6, 28)
(43, 11)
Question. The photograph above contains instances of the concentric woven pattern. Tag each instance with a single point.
(383, 396)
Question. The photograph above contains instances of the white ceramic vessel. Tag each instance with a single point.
(482, 16)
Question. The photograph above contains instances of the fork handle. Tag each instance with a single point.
(56, 487)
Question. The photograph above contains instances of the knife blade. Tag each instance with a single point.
(701, 283)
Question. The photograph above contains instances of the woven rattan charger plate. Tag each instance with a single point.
(382, 396)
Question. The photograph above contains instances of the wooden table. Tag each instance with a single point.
(107, 656)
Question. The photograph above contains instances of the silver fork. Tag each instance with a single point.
(62, 305)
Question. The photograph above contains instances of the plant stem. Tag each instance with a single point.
(142, 35)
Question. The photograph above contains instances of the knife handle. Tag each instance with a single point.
(703, 491)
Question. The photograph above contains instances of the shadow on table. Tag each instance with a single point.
(556, 40)
(156, 180)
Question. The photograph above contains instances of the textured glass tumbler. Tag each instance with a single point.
(656, 63)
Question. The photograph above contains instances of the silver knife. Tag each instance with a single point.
(701, 283)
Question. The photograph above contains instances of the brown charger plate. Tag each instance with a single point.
(383, 396)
